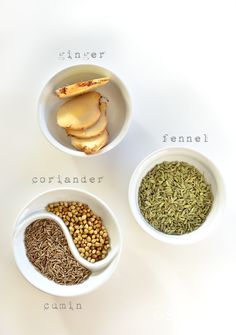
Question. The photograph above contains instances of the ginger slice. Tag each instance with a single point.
(80, 87)
(80, 112)
(90, 145)
(96, 129)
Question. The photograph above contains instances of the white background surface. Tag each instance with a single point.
(177, 59)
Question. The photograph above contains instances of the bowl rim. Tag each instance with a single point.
(188, 238)
(51, 139)
(115, 260)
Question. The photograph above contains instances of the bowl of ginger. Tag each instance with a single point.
(84, 110)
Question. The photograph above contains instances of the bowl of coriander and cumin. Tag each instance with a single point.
(176, 195)
(66, 242)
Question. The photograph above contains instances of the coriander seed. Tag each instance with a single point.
(86, 235)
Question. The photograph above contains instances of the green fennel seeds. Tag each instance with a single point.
(175, 198)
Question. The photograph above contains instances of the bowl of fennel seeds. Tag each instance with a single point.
(176, 195)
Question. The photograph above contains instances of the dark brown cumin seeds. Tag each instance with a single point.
(47, 249)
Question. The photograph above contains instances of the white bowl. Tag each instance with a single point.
(118, 111)
(212, 176)
(35, 209)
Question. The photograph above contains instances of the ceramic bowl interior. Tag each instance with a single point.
(205, 166)
(35, 277)
(118, 111)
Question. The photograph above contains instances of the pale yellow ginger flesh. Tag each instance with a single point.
(80, 112)
(96, 129)
(90, 145)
